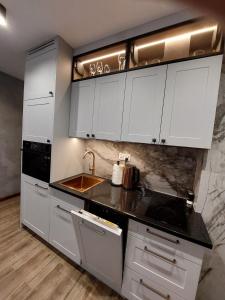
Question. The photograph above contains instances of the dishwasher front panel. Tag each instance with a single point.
(100, 245)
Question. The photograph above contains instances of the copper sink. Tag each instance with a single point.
(82, 183)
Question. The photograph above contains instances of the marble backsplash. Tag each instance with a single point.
(165, 169)
(212, 280)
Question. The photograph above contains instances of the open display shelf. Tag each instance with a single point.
(189, 40)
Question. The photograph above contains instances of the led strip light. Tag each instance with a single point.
(178, 37)
(103, 57)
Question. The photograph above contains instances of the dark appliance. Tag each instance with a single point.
(131, 176)
(36, 160)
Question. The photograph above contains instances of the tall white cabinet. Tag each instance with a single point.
(46, 120)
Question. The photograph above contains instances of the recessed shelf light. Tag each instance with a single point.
(103, 57)
(178, 37)
(3, 15)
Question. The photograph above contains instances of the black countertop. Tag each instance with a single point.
(161, 211)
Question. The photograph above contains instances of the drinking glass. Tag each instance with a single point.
(92, 69)
(121, 61)
(99, 67)
(106, 68)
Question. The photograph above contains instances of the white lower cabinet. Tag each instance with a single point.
(62, 231)
(158, 266)
(35, 205)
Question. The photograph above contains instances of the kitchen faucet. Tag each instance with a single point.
(91, 168)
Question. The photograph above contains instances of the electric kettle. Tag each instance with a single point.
(131, 177)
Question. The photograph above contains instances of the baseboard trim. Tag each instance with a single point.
(9, 197)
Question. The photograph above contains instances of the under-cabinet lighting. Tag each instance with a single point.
(2, 15)
(178, 37)
(103, 57)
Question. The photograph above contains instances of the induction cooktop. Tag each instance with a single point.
(166, 209)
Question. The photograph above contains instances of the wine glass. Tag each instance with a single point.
(92, 69)
(106, 68)
(99, 67)
(121, 61)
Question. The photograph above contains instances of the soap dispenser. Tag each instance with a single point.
(117, 174)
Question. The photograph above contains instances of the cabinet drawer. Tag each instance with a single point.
(170, 243)
(163, 265)
(138, 287)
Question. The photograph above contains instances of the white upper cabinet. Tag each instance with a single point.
(38, 118)
(143, 105)
(171, 104)
(40, 75)
(190, 102)
(108, 107)
(82, 102)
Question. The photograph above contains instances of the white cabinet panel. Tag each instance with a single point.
(108, 107)
(35, 205)
(82, 101)
(62, 231)
(38, 118)
(138, 287)
(190, 102)
(40, 75)
(143, 104)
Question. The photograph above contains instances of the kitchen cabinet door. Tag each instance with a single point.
(38, 118)
(35, 205)
(62, 231)
(108, 107)
(82, 102)
(143, 105)
(190, 102)
(40, 75)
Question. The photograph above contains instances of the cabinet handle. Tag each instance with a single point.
(63, 209)
(172, 261)
(167, 297)
(93, 135)
(44, 188)
(154, 140)
(162, 237)
(101, 232)
(50, 93)
(163, 141)
(87, 135)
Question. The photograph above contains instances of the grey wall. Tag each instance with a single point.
(11, 103)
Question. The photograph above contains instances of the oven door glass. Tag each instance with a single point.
(36, 160)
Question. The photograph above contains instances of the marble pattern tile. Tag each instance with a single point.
(212, 279)
(166, 169)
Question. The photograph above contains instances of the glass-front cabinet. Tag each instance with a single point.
(104, 61)
(189, 40)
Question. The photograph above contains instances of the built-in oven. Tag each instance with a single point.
(36, 160)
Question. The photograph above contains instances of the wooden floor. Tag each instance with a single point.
(29, 269)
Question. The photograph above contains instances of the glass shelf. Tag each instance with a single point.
(109, 60)
(193, 39)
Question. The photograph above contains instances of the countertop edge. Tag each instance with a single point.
(135, 218)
